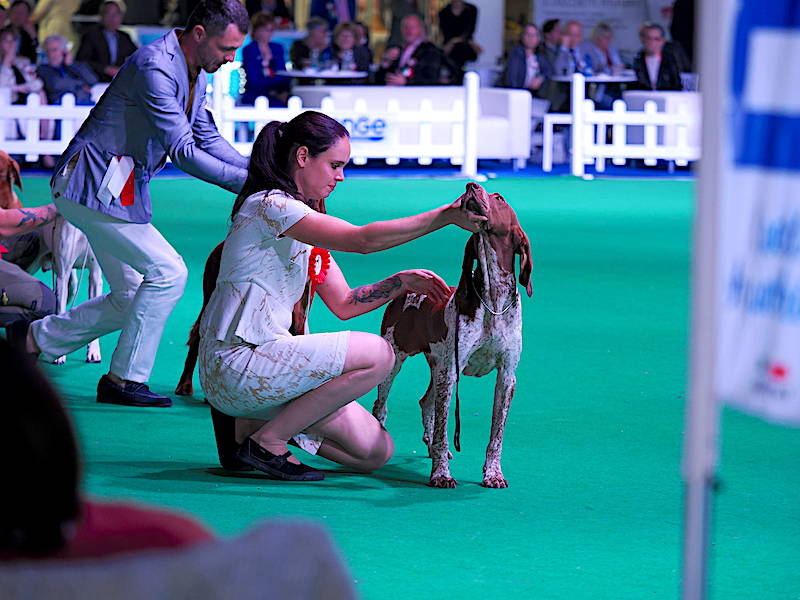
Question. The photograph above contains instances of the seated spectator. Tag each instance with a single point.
(604, 59)
(523, 70)
(656, 66)
(417, 62)
(104, 47)
(23, 298)
(362, 36)
(551, 58)
(550, 47)
(399, 10)
(62, 75)
(603, 56)
(54, 17)
(19, 19)
(333, 11)
(347, 55)
(46, 516)
(313, 51)
(277, 8)
(572, 58)
(457, 23)
(261, 59)
(17, 75)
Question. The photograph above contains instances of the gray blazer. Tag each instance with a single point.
(142, 115)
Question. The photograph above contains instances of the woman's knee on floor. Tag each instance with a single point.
(380, 453)
(371, 456)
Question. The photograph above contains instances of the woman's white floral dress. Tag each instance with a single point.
(250, 365)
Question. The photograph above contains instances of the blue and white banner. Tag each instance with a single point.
(758, 261)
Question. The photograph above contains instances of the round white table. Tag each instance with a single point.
(326, 74)
(602, 78)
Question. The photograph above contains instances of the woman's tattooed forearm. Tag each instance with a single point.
(33, 218)
(375, 291)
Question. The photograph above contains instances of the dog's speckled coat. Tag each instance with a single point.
(484, 315)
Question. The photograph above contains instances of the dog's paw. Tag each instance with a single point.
(380, 415)
(443, 481)
(495, 482)
(93, 352)
(185, 388)
(60, 360)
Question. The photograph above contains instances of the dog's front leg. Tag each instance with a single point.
(65, 249)
(95, 290)
(379, 410)
(443, 381)
(428, 405)
(503, 393)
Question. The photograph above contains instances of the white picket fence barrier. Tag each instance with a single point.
(678, 140)
(391, 133)
(393, 143)
(28, 117)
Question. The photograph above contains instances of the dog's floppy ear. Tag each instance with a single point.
(470, 256)
(466, 297)
(522, 246)
(14, 175)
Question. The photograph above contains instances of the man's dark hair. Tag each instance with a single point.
(215, 16)
(550, 25)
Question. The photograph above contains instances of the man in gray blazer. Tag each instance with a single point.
(153, 109)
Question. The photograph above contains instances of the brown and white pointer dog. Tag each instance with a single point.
(480, 329)
(62, 247)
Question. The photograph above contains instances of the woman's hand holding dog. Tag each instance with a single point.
(422, 281)
(463, 217)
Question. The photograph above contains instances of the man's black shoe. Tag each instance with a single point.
(132, 394)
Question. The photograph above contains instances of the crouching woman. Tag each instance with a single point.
(258, 363)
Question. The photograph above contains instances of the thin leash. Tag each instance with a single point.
(512, 302)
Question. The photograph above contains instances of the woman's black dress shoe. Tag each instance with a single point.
(274, 465)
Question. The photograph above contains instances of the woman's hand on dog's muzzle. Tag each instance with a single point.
(463, 217)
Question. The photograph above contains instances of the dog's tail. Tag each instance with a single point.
(210, 274)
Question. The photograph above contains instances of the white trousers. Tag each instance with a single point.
(147, 278)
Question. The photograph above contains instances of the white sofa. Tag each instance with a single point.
(504, 116)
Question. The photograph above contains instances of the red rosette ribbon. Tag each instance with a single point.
(318, 264)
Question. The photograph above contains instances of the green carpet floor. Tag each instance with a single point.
(593, 443)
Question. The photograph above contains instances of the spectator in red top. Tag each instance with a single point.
(43, 514)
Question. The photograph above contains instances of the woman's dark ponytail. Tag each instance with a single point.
(276, 143)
